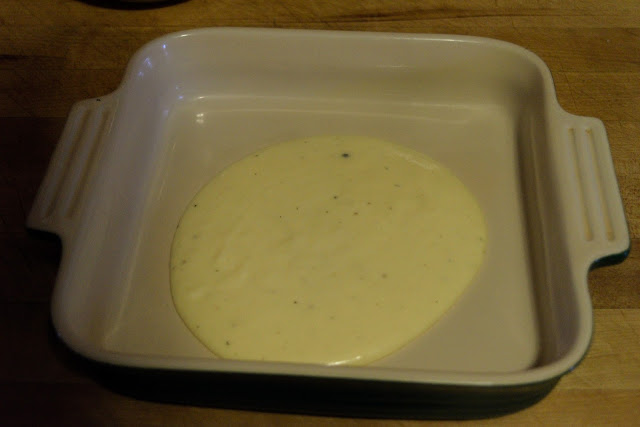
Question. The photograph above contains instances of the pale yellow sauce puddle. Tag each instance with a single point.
(324, 250)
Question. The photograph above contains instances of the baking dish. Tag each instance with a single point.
(191, 103)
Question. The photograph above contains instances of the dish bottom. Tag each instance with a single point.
(494, 325)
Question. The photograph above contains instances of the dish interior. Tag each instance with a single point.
(190, 107)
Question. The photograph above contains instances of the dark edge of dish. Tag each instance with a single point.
(610, 259)
(323, 396)
(132, 4)
(306, 395)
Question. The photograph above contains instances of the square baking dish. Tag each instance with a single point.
(194, 102)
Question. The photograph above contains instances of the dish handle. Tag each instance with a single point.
(60, 196)
(600, 235)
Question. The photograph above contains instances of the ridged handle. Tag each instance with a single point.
(72, 165)
(601, 228)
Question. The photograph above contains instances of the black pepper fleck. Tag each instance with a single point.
(345, 155)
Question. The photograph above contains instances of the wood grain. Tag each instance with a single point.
(56, 52)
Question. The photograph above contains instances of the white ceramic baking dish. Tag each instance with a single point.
(191, 103)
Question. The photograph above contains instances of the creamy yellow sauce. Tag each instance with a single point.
(328, 250)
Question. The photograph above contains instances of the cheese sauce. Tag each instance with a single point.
(328, 250)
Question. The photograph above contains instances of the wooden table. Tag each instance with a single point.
(56, 52)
